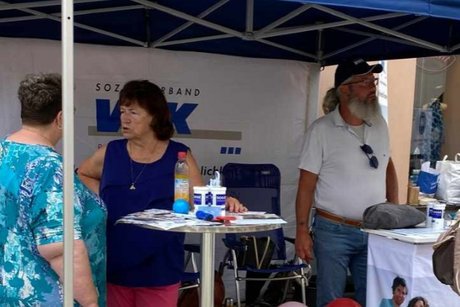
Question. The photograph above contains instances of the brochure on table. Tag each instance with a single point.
(417, 235)
(165, 219)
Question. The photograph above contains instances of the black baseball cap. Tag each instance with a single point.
(357, 67)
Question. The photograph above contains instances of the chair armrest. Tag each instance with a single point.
(295, 259)
(192, 248)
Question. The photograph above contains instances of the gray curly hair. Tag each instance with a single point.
(331, 100)
(41, 98)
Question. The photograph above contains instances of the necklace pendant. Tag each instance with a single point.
(132, 187)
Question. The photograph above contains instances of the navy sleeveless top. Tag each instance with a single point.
(139, 257)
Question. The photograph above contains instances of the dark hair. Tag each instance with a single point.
(416, 299)
(398, 281)
(41, 98)
(150, 97)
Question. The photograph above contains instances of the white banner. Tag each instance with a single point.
(227, 109)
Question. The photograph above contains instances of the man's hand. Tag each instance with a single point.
(303, 205)
(304, 245)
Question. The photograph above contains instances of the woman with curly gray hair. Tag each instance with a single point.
(31, 209)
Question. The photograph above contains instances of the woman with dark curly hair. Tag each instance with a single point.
(418, 301)
(399, 290)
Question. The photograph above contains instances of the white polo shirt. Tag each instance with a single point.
(347, 184)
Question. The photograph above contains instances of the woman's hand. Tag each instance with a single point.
(233, 205)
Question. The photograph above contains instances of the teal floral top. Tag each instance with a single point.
(31, 214)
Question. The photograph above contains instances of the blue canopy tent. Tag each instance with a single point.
(323, 32)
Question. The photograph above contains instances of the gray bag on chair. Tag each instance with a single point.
(390, 216)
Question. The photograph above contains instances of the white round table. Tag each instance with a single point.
(208, 234)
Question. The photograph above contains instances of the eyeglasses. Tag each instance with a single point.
(373, 162)
(365, 82)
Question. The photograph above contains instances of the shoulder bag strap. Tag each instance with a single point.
(256, 252)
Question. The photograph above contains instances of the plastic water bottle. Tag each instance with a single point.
(181, 178)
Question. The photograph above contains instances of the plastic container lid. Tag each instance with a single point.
(439, 206)
(200, 189)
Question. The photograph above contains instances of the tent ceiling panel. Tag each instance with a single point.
(320, 31)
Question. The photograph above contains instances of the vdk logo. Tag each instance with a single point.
(109, 121)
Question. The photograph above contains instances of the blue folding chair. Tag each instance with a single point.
(257, 186)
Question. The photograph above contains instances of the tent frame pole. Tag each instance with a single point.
(68, 145)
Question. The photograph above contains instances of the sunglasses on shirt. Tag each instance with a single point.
(373, 162)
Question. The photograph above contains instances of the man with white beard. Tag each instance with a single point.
(345, 167)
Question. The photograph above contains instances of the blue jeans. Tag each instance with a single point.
(339, 247)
